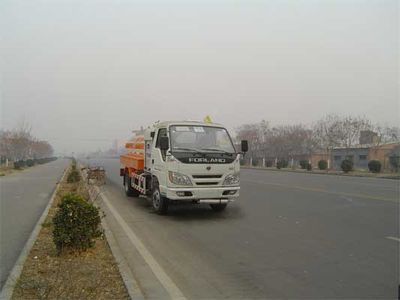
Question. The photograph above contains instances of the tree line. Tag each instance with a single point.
(301, 140)
(19, 144)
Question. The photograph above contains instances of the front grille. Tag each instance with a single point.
(206, 176)
(207, 183)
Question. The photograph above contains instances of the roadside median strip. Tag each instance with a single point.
(42, 272)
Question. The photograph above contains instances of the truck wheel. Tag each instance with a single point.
(129, 190)
(218, 207)
(160, 203)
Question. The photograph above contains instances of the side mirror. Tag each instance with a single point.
(244, 146)
(164, 143)
(152, 134)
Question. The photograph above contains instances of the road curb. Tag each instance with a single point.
(127, 276)
(129, 280)
(9, 285)
(394, 177)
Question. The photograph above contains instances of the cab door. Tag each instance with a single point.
(158, 158)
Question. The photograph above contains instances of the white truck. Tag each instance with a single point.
(183, 161)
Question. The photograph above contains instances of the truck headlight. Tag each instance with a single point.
(178, 178)
(232, 179)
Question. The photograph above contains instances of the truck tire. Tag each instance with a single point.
(129, 190)
(159, 202)
(218, 207)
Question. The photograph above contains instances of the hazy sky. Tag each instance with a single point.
(86, 72)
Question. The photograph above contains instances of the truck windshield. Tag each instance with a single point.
(200, 138)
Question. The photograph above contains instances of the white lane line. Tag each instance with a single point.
(393, 238)
(165, 280)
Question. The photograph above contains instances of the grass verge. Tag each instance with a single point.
(5, 170)
(92, 274)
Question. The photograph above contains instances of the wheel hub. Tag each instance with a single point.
(156, 199)
(126, 184)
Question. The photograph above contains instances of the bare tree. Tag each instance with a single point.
(41, 149)
(21, 141)
(349, 130)
(19, 144)
(386, 134)
(326, 132)
(295, 141)
(254, 133)
(280, 142)
(5, 143)
(334, 131)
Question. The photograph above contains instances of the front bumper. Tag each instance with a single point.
(202, 195)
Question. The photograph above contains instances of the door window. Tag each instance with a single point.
(161, 132)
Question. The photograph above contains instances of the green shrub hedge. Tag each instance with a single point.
(347, 165)
(303, 164)
(45, 160)
(322, 164)
(394, 161)
(374, 166)
(76, 223)
(19, 164)
(73, 176)
(255, 162)
(282, 164)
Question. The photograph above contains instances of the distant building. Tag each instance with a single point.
(316, 157)
(394, 158)
(368, 137)
(383, 154)
(362, 154)
(358, 155)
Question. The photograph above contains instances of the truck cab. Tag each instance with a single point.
(192, 162)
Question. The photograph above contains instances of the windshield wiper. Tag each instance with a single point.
(216, 149)
(186, 149)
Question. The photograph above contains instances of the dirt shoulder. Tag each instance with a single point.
(92, 274)
(6, 171)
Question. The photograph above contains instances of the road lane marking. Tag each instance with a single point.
(165, 280)
(393, 238)
(323, 191)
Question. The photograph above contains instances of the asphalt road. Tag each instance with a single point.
(290, 235)
(24, 196)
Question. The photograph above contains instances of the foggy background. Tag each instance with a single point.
(84, 73)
